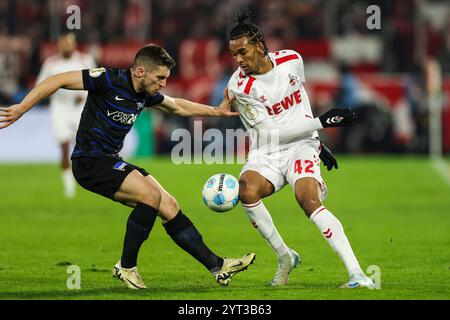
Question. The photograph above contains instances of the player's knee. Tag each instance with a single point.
(248, 193)
(169, 204)
(151, 197)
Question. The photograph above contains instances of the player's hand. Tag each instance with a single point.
(337, 117)
(9, 115)
(224, 108)
(327, 157)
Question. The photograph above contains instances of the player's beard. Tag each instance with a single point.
(144, 87)
(151, 89)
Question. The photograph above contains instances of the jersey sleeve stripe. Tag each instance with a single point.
(249, 84)
(286, 58)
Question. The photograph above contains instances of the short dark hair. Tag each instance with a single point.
(153, 55)
(245, 27)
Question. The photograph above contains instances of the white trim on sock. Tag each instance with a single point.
(316, 212)
(251, 206)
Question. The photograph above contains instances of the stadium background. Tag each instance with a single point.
(383, 74)
(380, 72)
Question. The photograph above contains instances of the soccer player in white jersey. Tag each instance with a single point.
(66, 105)
(269, 92)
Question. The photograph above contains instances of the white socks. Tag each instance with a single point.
(328, 224)
(332, 230)
(69, 183)
(262, 221)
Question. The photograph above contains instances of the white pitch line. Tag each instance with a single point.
(442, 168)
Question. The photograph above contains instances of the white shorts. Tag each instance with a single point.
(300, 160)
(65, 120)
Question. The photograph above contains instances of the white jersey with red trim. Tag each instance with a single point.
(63, 98)
(274, 99)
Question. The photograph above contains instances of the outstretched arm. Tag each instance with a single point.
(336, 117)
(186, 108)
(67, 80)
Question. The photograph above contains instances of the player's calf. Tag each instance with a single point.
(168, 207)
(309, 205)
(308, 195)
(187, 237)
(139, 225)
(329, 226)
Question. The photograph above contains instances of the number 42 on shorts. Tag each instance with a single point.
(307, 165)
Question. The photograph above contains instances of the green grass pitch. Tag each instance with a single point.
(395, 211)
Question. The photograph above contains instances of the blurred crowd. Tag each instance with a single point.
(171, 21)
(407, 37)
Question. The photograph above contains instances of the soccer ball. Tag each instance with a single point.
(221, 192)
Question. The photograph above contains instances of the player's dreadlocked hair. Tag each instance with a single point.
(245, 27)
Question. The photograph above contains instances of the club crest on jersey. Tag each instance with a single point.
(250, 113)
(120, 166)
(140, 105)
(293, 79)
(96, 72)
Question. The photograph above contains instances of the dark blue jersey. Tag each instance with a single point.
(112, 106)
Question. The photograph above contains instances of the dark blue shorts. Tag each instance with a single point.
(104, 174)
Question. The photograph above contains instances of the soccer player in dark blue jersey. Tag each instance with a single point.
(115, 99)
